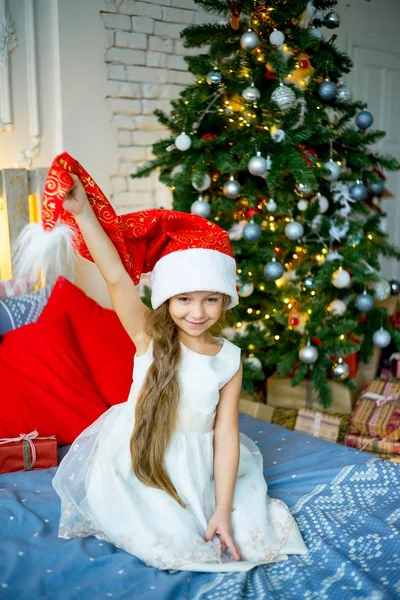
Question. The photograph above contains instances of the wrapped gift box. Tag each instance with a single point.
(395, 365)
(318, 424)
(372, 444)
(377, 412)
(27, 452)
(259, 410)
(281, 394)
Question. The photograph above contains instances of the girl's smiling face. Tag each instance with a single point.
(195, 312)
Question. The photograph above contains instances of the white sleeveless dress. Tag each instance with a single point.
(101, 496)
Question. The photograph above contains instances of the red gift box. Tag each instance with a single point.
(27, 452)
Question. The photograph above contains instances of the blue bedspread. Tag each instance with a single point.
(347, 506)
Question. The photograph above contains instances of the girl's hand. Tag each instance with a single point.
(220, 525)
(76, 200)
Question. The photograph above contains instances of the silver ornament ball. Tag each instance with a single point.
(294, 230)
(245, 289)
(271, 205)
(273, 270)
(308, 354)
(327, 90)
(302, 205)
(364, 119)
(343, 93)
(200, 208)
(251, 94)
(231, 188)
(382, 289)
(341, 279)
(333, 170)
(308, 283)
(381, 338)
(358, 191)
(214, 77)
(284, 97)
(340, 370)
(249, 40)
(252, 232)
(377, 188)
(364, 302)
(332, 20)
(257, 165)
(204, 184)
(394, 287)
(277, 38)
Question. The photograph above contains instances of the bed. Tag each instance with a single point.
(347, 505)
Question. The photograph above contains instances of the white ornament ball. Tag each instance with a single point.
(333, 170)
(277, 38)
(315, 32)
(249, 40)
(382, 289)
(183, 142)
(381, 338)
(200, 208)
(341, 279)
(302, 205)
(245, 289)
(257, 165)
(271, 205)
(204, 185)
(278, 136)
(253, 361)
(337, 307)
(323, 203)
(294, 230)
(308, 354)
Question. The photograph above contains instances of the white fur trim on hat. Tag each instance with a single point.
(193, 270)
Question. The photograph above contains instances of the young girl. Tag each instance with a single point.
(165, 476)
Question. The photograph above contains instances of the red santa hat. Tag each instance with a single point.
(183, 252)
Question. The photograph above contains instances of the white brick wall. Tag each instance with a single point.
(145, 70)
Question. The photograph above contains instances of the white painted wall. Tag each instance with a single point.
(104, 65)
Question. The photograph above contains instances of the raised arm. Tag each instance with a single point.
(125, 299)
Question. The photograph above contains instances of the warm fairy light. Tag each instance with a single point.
(251, 347)
(262, 287)
(239, 324)
(319, 258)
(249, 273)
(280, 282)
(319, 164)
(249, 311)
(295, 256)
(186, 101)
(266, 128)
(239, 270)
(309, 311)
(286, 300)
(230, 120)
(226, 102)
(258, 312)
(342, 337)
(313, 293)
(287, 265)
(172, 187)
(272, 218)
(324, 250)
(272, 227)
(267, 316)
(290, 305)
(277, 337)
(287, 219)
(369, 236)
(339, 163)
(220, 110)
(216, 218)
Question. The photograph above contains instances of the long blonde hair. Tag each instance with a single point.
(156, 410)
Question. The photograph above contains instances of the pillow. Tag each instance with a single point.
(105, 346)
(45, 383)
(22, 310)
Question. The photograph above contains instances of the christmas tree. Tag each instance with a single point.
(269, 143)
